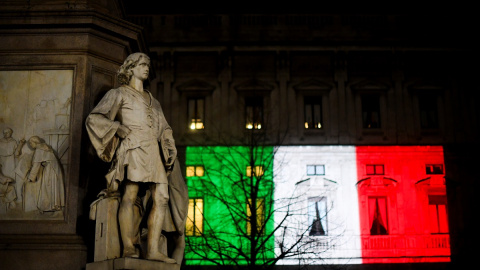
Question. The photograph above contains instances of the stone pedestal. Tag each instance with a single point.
(131, 263)
(107, 237)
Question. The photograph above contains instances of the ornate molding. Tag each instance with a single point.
(196, 86)
(425, 87)
(376, 181)
(254, 86)
(370, 86)
(313, 86)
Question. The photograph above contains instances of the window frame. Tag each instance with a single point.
(260, 216)
(436, 200)
(193, 222)
(324, 224)
(387, 225)
(195, 169)
(433, 171)
(366, 125)
(193, 121)
(313, 101)
(255, 121)
(429, 108)
(258, 172)
(435, 92)
(362, 89)
(315, 168)
(375, 169)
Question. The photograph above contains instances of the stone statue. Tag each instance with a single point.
(8, 149)
(47, 170)
(7, 193)
(40, 169)
(128, 128)
(9, 152)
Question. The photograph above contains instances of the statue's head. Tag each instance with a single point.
(34, 141)
(124, 73)
(7, 133)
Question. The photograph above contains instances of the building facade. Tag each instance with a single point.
(370, 116)
(333, 80)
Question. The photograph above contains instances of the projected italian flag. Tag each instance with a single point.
(350, 204)
(402, 204)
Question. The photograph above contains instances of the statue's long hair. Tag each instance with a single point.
(40, 143)
(124, 73)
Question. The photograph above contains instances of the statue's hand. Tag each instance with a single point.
(112, 188)
(169, 162)
(123, 131)
(8, 180)
(172, 154)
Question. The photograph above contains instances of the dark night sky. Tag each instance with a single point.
(296, 6)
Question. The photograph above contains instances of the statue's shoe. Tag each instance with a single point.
(157, 256)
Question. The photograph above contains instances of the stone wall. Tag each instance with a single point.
(56, 61)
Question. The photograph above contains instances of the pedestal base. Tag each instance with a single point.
(131, 264)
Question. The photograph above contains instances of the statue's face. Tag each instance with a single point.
(140, 71)
(32, 143)
(7, 133)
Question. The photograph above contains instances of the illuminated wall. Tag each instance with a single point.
(352, 204)
(305, 175)
(219, 184)
(402, 198)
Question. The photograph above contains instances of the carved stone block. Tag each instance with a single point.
(107, 237)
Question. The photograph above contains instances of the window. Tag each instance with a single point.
(317, 216)
(196, 170)
(260, 215)
(428, 111)
(254, 113)
(315, 169)
(437, 212)
(313, 112)
(375, 170)
(257, 171)
(196, 114)
(194, 224)
(377, 210)
(371, 110)
(434, 168)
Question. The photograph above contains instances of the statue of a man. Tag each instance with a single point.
(10, 153)
(8, 149)
(129, 123)
(47, 169)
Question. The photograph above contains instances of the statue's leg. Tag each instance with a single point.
(126, 219)
(137, 220)
(155, 222)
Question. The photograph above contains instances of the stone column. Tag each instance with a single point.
(79, 46)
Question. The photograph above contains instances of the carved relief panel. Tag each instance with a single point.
(35, 107)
